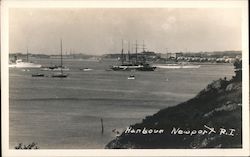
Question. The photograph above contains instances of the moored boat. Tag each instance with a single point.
(38, 75)
(60, 74)
(86, 69)
(131, 77)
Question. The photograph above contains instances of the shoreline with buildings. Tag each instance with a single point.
(150, 56)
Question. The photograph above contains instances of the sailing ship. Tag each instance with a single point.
(143, 66)
(60, 74)
(55, 68)
(18, 63)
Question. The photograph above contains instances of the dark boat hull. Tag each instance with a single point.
(133, 67)
(60, 76)
(146, 69)
(38, 75)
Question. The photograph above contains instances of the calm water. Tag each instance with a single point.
(65, 113)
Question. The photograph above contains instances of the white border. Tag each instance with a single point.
(122, 4)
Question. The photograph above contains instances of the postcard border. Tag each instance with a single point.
(122, 4)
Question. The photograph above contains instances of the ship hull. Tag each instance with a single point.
(38, 75)
(133, 67)
(60, 75)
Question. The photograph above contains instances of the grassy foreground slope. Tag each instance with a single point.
(218, 106)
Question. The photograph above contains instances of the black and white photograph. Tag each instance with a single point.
(104, 77)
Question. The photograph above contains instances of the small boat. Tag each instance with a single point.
(131, 77)
(60, 75)
(49, 68)
(86, 69)
(38, 75)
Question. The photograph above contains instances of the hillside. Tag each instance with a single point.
(212, 119)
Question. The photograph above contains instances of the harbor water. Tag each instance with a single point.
(65, 113)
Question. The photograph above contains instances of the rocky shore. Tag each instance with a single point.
(212, 119)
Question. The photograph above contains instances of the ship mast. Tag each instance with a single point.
(143, 46)
(136, 51)
(61, 58)
(122, 53)
(27, 57)
(129, 51)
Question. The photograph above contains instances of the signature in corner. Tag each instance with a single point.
(33, 145)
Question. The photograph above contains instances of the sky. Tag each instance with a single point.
(99, 31)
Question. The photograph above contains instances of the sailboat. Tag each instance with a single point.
(61, 74)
